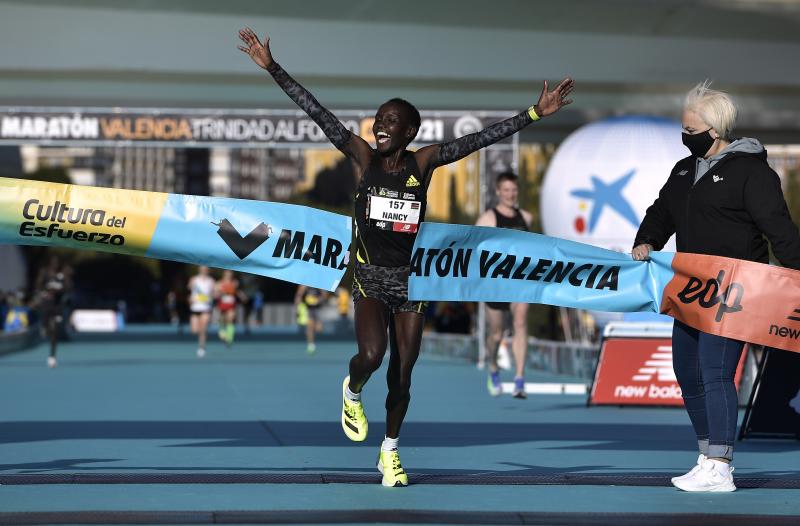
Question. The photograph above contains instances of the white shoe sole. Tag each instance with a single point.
(685, 476)
(721, 488)
(689, 473)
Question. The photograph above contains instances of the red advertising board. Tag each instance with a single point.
(638, 371)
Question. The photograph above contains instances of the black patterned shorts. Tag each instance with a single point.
(387, 284)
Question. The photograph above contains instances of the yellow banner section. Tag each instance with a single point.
(87, 217)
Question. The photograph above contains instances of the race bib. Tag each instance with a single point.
(395, 214)
(199, 297)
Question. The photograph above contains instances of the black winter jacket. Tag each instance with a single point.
(726, 213)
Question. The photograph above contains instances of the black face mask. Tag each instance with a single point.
(699, 143)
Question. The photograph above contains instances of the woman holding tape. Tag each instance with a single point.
(721, 200)
(389, 205)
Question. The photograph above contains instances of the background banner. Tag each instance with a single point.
(738, 299)
(196, 127)
(293, 243)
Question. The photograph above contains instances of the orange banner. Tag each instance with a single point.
(743, 300)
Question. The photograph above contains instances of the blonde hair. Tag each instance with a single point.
(716, 108)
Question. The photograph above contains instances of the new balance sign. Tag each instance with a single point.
(638, 371)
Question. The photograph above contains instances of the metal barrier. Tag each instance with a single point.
(279, 315)
(463, 346)
(19, 341)
(563, 358)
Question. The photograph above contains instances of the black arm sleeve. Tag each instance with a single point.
(454, 150)
(333, 129)
(657, 225)
(763, 199)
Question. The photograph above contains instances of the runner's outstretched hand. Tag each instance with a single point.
(258, 52)
(552, 101)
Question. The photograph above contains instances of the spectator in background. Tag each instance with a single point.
(453, 317)
(15, 315)
(3, 309)
(257, 307)
(172, 310)
(250, 284)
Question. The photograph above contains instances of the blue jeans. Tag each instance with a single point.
(705, 366)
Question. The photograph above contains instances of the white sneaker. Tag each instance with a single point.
(713, 476)
(691, 472)
(201, 353)
(51, 361)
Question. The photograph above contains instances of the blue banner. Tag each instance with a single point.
(289, 242)
(471, 263)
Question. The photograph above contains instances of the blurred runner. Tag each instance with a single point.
(228, 294)
(53, 285)
(343, 308)
(201, 301)
(308, 301)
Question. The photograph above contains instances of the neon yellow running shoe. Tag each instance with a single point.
(354, 421)
(394, 476)
(302, 314)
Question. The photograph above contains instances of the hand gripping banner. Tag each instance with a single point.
(738, 299)
(293, 243)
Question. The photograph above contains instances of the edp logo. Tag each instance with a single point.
(709, 294)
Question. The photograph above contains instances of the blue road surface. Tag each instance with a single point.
(143, 431)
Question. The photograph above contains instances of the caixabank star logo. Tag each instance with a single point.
(603, 196)
(603, 177)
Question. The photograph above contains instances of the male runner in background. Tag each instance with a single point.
(507, 214)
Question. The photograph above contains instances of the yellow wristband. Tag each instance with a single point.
(532, 112)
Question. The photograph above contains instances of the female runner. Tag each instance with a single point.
(389, 205)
